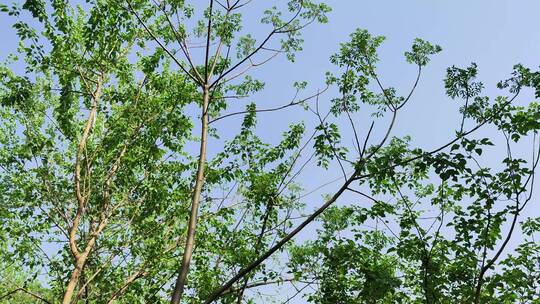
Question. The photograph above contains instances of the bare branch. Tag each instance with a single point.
(290, 104)
(256, 50)
(208, 34)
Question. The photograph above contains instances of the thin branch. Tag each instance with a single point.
(129, 281)
(256, 50)
(182, 43)
(354, 131)
(207, 52)
(249, 67)
(413, 88)
(292, 103)
(366, 140)
(258, 284)
(7, 295)
(132, 10)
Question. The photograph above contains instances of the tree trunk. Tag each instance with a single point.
(190, 241)
(80, 262)
(70, 289)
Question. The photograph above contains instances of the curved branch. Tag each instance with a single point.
(412, 89)
(27, 292)
(292, 103)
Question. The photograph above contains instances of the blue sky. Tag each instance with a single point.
(494, 34)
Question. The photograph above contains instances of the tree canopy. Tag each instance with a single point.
(109, 192)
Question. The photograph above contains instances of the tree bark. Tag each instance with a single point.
(195, 202)
(74, 279)
(81, 257)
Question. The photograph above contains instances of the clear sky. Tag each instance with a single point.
(496, 34)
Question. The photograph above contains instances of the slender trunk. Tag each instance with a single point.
(195, 201)
(80, 262)
(74, 279)
(425, 281)
(81, 257)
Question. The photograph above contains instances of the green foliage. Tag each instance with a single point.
(97, 160)
(420, 52)
(20, 285)
(326, 142)
(459, 82)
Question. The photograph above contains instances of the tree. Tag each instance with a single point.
(105, 197)
(18, 287)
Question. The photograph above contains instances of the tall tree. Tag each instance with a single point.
(107, 202)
